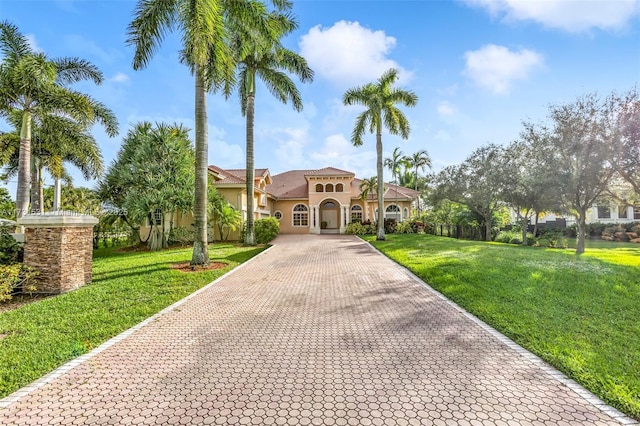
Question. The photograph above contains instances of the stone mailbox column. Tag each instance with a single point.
(59, 245)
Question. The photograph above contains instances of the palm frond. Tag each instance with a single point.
(72, 70)
(12, 43)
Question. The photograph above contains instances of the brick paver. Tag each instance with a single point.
(319, 330)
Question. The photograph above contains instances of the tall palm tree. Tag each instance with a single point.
(267, 60)
(395, 163)
(204, 26)
(368, 187)
(418, 160)
(34, 85)
(55, 141)
(380, 98)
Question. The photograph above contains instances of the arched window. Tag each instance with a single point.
(329, 205)
(392, 212)
(278, 215)
(329, 187)
(356, 213)
(300, 215)
(319, 187)
(339, 187)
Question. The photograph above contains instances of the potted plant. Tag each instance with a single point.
(323, 225)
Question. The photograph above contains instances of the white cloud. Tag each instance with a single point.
(567, 15)
(349, 54)
(445, 109)
(86, 47)
(338, 152)
(291, 147)
(496, 67)
(119, 78)
(31, 39)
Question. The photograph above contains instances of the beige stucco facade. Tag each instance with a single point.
(303, 201)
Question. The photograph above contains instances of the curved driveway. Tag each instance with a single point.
(319, 330)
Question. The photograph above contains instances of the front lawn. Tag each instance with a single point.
(579, 313)
(126, 289)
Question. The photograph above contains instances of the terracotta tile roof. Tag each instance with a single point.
(291, 184)
(328, 171)
(234, 176)
(393, 191)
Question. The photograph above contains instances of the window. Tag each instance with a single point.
(278, 215)
(622, 212)
(319, 187)
(405, 213)
(636, 212)
(300, 215)
(356, 214)
(392, 212)
(339, 188)
(157, 217)
(604, 212)
(263, 200)
(329, 187)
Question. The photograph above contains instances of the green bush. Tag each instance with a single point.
(390, 226)
(16, 278)
(553, 239)
(10, 250)
(266, 229)
(404, 228)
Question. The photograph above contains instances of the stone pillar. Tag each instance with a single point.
(59, 245)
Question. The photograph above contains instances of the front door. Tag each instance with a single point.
(329, 218)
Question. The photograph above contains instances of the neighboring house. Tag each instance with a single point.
(603, 213)
(303, 201)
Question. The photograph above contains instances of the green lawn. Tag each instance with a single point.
(126, 289)
(579, 313)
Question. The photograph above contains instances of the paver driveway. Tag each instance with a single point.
(319, 330)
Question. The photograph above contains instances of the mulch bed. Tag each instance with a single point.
(186, 267)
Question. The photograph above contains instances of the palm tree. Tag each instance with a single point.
(368, 187)
(395, 163)
(55, 141)
(34, 85)
(267, 60)
(204, 26)
(418, 160)
(380, 98)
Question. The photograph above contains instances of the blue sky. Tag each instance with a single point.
(479, 68)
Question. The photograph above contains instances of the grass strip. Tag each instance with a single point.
(127, 288)
(580, 314)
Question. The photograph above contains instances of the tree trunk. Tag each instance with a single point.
(57, 193)
(487, 229)
(35, 185)
(535, 225)
(200, 255)
(24, 167)
(380, 235)
(249, 237)
(524, 229)
(581, 232)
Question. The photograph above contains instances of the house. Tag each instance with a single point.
(304, 201)
(603, 212)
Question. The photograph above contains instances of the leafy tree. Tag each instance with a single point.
(395, 164)
(583, 136)
(33, 86)
(627, 153)
(205, 29)
(268, 60)
(380, 99)
(55, 141)
(152, 173)
(419, 160)
(7, 206)
(83, 200)
(476, 183)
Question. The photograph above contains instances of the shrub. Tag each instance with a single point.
(553, 239)
(356, 228)
(181, 235)
(390, 226)
(404, 228)
(10, 250)
(16, 278)
(267, 230)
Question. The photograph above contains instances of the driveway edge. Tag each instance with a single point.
(26, 390)
(587, 395)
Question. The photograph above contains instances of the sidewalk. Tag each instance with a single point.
(318, 330)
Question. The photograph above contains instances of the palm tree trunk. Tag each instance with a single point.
(380, 235)
(35, 184)
(200, 255)
(249, 238)
(24, 167)
(57, 193)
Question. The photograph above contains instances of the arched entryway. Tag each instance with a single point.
(330, 217)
